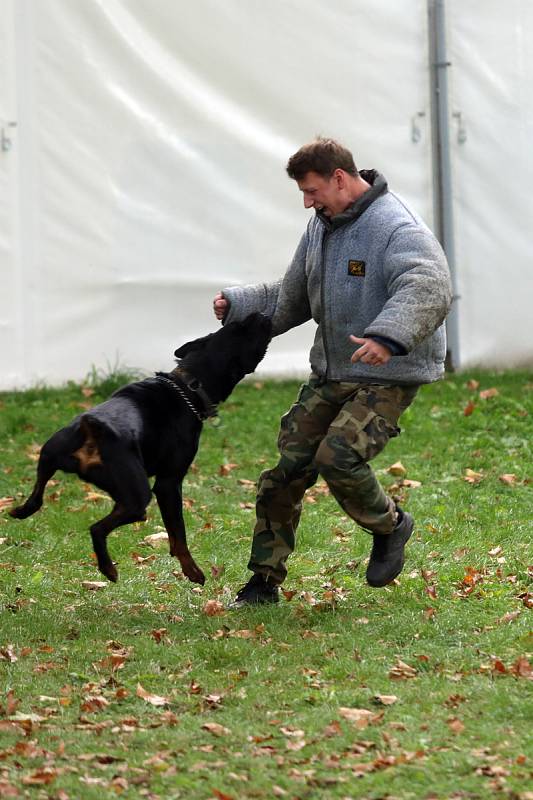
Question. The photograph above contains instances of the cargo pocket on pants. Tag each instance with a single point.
(367, 436)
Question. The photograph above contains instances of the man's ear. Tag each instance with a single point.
(191, 347)
(340, 178)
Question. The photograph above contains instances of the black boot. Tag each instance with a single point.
(258, 591)
(387, 556)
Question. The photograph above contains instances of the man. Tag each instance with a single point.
(371, 274)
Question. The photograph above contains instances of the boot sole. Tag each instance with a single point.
(406, 537)
(235, 604)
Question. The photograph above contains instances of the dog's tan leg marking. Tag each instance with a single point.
(88, 454)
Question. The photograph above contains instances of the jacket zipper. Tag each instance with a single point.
(322, 303)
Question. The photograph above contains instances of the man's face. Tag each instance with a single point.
(324, 194)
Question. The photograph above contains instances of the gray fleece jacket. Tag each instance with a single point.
(375, 270)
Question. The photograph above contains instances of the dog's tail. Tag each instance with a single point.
(96, 435)
(92, 427)
(101, 437)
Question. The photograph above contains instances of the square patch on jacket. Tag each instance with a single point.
(356, 268)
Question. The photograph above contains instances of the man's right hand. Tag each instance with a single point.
(220, 306)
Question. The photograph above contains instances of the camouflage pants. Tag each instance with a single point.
(333, 429)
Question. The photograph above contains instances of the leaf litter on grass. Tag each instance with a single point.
(461, 713)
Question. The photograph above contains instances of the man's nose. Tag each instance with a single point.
(308, 202)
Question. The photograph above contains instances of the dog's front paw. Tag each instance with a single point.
(192, 571)
(110, 571)
(21, 512)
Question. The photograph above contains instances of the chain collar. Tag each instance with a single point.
(209, 408)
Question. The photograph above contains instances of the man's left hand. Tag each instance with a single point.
(370, 352)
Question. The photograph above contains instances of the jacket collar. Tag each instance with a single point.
(378, 186)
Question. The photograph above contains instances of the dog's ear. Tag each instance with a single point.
(191, 347)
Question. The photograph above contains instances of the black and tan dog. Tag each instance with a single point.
(148, 428)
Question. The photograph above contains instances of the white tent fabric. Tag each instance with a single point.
(492, 135)
(146, 170)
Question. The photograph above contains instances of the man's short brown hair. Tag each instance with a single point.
(322, 156)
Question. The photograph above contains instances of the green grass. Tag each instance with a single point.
(71, 723)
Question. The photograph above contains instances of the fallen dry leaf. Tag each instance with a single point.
(117, 648)
(34, 719)
(6, 502)
(94, 585)
(294, 732)
(214, 608)
(155, 539)
(472, 384)
(486, 394)
(222, 795)
(138, 559)
(41, 777)
(93, 703)
(216, 729)
(333, 729)
(431, 590)
(455, 725)
(508, 478)
(8, 790)
(469, 409)
(95, 497)
(45, 666)
(169, 718)
(495, 771)
(119, 785)
(11, 704)
(216, 571)
(498, 666)
(360, 717)
(397, 469)
(225, 469)
(455, 700)
(510, 616)
(471, 476)
(288, 594)
(402, 671)
(522, 668)
(295, 744)
(33, 452)
(159, 634)
(385, 699)
(213, 701)
(309, 634)
(245, 633)
(154, 699)
(7, 654)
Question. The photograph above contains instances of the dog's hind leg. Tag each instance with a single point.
(169, 498)
(131, 497)
(45, 469)
(120, 515)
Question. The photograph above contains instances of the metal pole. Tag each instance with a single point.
(442, 174)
